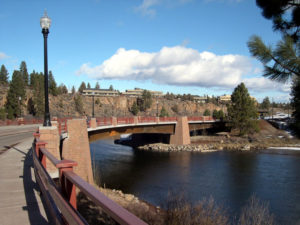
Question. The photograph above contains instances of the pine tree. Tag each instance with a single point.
(242, 112)
(78, 104)
(206, 112)
(62, 89)
(16, 91)
(24, 73)
(38, 94)
(97, 86)
(296, 104)
(52, 84)
(134, 109)
(265, 103)
(3, 76)
(163, 112)
(82, 87)
(2, 114)
(73, 90)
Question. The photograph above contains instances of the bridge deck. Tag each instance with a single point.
(20, 202)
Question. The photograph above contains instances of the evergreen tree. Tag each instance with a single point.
(73, 90)
(242, 112)
(88, 86)
(2, 114)
(78, 104)
(296, 104)
(3, 76)
(97, 86)
(134, 109)
(24, 73)
(281, 63)
(145, 102)
(52, 84)
(62, 89)
(16, 91)
(220, 114)
(266, 104)
(206, 112)
(163, 112)
(38, 107)
(215, 114)
(82, 87)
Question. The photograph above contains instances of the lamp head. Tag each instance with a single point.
(45, 21)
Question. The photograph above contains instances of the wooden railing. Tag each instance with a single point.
(61, 199)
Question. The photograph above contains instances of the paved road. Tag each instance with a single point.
(11, 135)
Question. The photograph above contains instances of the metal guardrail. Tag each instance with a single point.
(61, 199)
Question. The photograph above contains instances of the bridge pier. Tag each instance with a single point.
(51, 136)
(76, 147)
(182, 132)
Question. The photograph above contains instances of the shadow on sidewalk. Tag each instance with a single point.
(30, 187)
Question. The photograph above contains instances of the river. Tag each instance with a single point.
(229, 177)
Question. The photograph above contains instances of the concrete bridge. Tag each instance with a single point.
(62, 151)
(177, 129)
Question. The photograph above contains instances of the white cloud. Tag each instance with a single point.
(146, 7)
(262, 84)
(3, 55)
(177, 65)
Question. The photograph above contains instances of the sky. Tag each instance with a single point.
(179, 46)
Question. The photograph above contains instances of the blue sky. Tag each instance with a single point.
(179, 46)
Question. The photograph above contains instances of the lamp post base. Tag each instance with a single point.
(47, 122)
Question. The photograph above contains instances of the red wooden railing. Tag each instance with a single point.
(104, 121)
(167, 119)
(146, 119)
(125, 120)
(61, 199)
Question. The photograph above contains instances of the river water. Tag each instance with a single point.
(229, 177)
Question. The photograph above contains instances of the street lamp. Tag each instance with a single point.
(20, 106)
(93, 94)
(45, 24)
(156, 108)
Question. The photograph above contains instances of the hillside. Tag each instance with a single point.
(64, 105)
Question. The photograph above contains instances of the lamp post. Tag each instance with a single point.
(156, 108)
(93, 114)
(45, 22)
(20, 106)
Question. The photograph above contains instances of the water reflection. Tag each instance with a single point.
(231, 178)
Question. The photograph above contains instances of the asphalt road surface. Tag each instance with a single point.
(11, 135)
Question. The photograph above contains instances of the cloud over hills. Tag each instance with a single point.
(180, 66)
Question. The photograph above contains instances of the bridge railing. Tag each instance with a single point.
(200, 118)
(167, 119)
(148, 119)
(103, 121)
(61, 200)
(125, 120)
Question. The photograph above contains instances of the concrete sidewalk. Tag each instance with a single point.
(20, 202)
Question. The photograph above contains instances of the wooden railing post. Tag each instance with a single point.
(38, 145)
(67, 187)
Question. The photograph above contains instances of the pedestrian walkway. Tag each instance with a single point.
(20, 202)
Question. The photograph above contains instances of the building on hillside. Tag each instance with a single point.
(100, 92)
(138, 92)
(227, 99)
(199, 99)
(224, 99)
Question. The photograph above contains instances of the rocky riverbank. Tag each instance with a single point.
(144, 210)
(217, 143)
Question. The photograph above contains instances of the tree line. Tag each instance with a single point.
(21, 81)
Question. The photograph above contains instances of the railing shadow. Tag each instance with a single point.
(30, 187)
